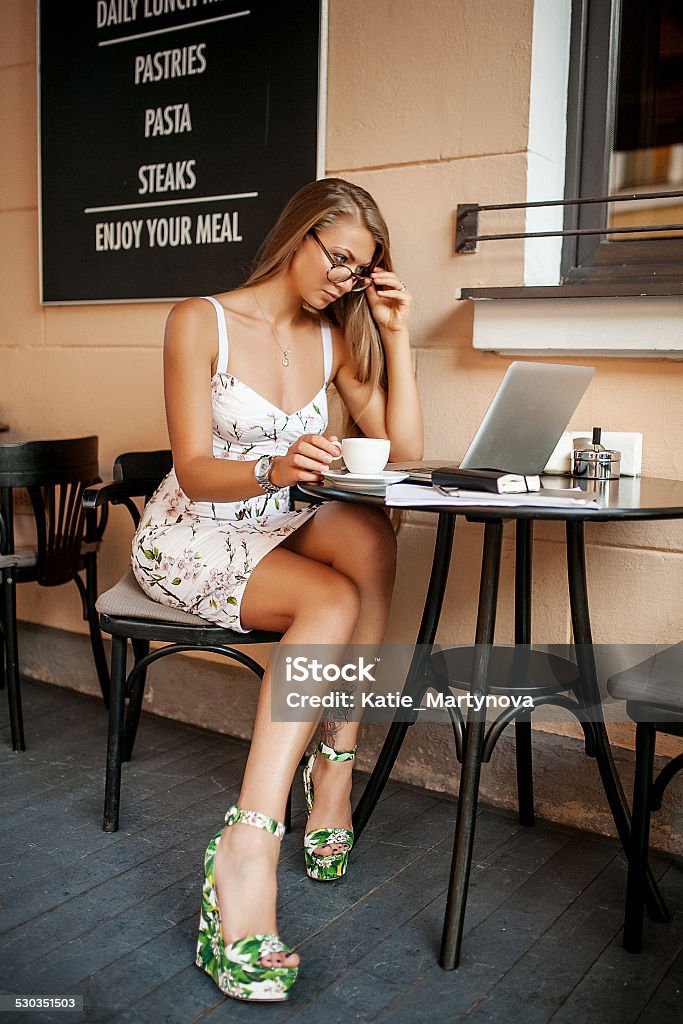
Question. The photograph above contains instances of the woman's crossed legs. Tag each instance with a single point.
(330, 582)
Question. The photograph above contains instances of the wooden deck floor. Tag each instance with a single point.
(113, 917)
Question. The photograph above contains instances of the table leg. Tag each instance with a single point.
(523, 755)
(443, 547)
(583, 640)
(640, 840)
(468, 794)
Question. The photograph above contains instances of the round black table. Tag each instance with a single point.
(626, 499)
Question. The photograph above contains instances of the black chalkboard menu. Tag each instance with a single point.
(172, 132)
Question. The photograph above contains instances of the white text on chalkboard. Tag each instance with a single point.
(171, 177)
(218, 227)
(171, 231)
(115, 235)
(161, 232)
(171, 120)
(115, 12)
(176, 63)
(121, 12)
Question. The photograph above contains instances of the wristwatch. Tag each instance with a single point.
(262, 470)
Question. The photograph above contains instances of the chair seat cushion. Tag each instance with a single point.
(127, 600)
(658, 681)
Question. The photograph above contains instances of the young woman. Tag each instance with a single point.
(246, 375)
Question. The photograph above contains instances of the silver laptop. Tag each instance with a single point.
(524, 422)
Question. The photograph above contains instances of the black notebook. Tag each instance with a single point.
(492, 480)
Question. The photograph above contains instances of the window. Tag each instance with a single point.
(625, 136)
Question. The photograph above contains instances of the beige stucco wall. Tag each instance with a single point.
(427, 107)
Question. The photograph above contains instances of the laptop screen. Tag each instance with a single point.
(531, 408)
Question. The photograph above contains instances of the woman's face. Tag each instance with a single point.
(349, 243)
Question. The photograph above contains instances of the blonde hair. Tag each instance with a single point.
(315, 207)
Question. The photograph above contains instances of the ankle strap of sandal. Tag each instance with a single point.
(336, 755)
(238, 814)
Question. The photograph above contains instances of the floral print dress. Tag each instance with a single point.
(198, 556)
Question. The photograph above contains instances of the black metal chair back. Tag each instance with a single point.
(653, 691)
(54, 473)
(127, 614)
(145, 470)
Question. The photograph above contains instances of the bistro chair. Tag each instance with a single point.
(653, 692)
(126, 613)
(54, 473)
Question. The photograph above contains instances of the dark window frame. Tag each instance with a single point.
(592, 259)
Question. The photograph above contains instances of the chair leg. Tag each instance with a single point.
(112, 790)
(525, 777)
(93, 620)
(12, 660)
(130, 729)
(640, 837)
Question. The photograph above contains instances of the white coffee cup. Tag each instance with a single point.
(366, 455)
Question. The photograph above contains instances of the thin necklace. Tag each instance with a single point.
(285, 351)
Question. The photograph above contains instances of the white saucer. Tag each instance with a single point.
(363, 481)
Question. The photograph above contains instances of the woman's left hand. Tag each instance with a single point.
(389, 300)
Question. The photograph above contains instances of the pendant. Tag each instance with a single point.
(285, 357)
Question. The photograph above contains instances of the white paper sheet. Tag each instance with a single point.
(416, 495)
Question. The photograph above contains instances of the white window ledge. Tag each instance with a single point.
(632, 326)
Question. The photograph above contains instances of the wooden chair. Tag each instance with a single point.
(126, 613)
(54, 473)
(653, 691)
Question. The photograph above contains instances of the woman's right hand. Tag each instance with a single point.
(305, 460)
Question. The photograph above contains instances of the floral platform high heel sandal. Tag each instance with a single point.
(235, 967)
(325, 868)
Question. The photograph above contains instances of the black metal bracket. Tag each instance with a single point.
(467, 227)
(467, 220)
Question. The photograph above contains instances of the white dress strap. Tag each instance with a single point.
(222, 364)
(327, 350)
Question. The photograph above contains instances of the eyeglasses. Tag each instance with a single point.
(340, 274)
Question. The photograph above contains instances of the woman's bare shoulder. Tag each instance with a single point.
(191, 326)
(192, 312)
